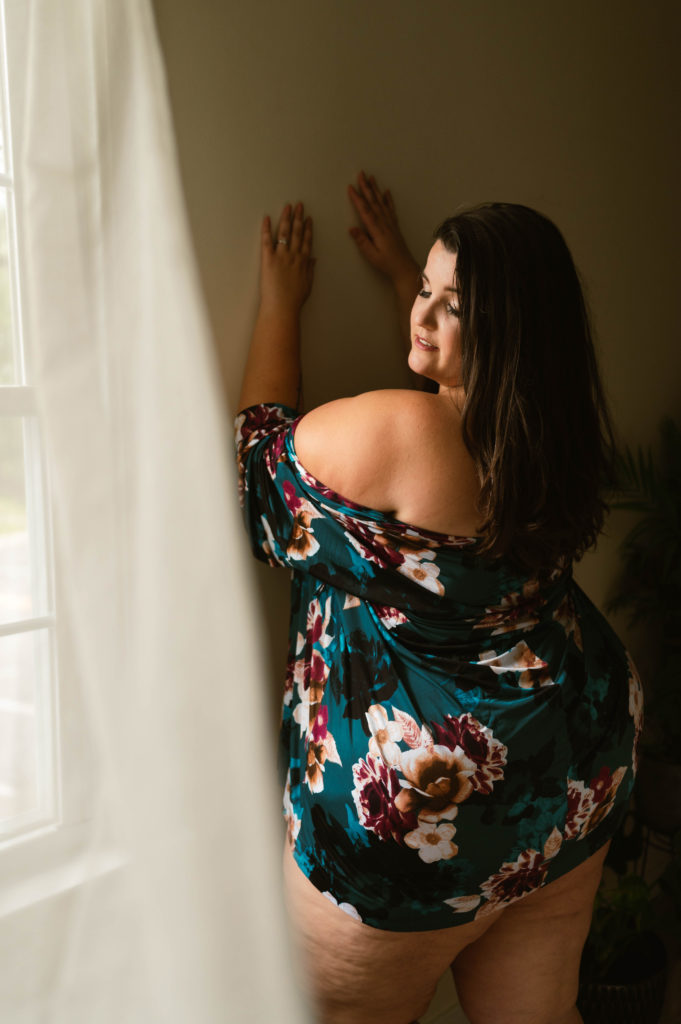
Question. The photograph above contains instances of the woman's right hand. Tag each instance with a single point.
(379, 238)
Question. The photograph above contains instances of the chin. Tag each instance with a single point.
(417, 363)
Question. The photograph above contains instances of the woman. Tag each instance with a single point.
(459, 721)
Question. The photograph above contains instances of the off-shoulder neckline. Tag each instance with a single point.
(452, 539)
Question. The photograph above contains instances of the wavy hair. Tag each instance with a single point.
(535, 418)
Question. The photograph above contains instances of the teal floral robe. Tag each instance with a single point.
(454, 734)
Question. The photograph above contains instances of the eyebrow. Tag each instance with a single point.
(447, 289)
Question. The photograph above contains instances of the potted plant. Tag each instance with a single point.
(650, 588)
(623, 972)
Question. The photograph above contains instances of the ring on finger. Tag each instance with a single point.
(282, 241)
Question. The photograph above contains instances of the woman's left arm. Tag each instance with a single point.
(272, 371)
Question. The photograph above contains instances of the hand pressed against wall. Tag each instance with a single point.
(287, 267)
(380, 239)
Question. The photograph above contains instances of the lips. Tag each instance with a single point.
(423, 344)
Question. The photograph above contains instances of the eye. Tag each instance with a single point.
(453, 310)
(424, 294)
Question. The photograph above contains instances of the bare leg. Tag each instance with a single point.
(525, 968)
(354, 974)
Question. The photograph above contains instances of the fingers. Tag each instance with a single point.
(284, 228)
(363, 208)
(364, 243)
(376, 209)
(294, 231)
(306, 246)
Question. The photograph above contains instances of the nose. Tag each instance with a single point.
(424, 313)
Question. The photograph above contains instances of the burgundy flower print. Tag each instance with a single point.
(486, 752)
(309, 673)
(389, 617)
(370, 541)
(376, 788)
(303, 543)
(512, 882)
(427, 782)
(588, 805)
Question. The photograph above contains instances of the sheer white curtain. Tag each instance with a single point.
(186, 924)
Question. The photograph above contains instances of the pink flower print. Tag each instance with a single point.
(376, 788)
(433, 842)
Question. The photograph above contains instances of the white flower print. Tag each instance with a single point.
(419, 566)
(318, 622)
(292, 820)
(436, 780)
(347, 908)
(532, 671)
(384, 735)
(433, 842)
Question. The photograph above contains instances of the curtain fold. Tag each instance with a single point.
(156, 594)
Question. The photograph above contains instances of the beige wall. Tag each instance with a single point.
(569, 107)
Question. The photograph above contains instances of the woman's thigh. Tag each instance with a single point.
(525, 968)
(354, 974)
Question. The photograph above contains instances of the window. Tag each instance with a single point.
(29, 773)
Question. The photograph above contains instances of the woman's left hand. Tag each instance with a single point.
(287, 267)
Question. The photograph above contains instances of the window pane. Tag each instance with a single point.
(8, 371)
(22, 573)
(24, 670)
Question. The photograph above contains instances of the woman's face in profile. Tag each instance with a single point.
(435, 331)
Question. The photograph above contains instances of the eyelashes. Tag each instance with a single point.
(452, 310)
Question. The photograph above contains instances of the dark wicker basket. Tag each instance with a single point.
(638, 1003)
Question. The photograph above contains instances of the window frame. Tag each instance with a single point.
(53, 848)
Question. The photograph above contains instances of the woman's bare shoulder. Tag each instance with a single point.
(356, 445)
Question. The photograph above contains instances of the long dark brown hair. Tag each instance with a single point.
(535, 418)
